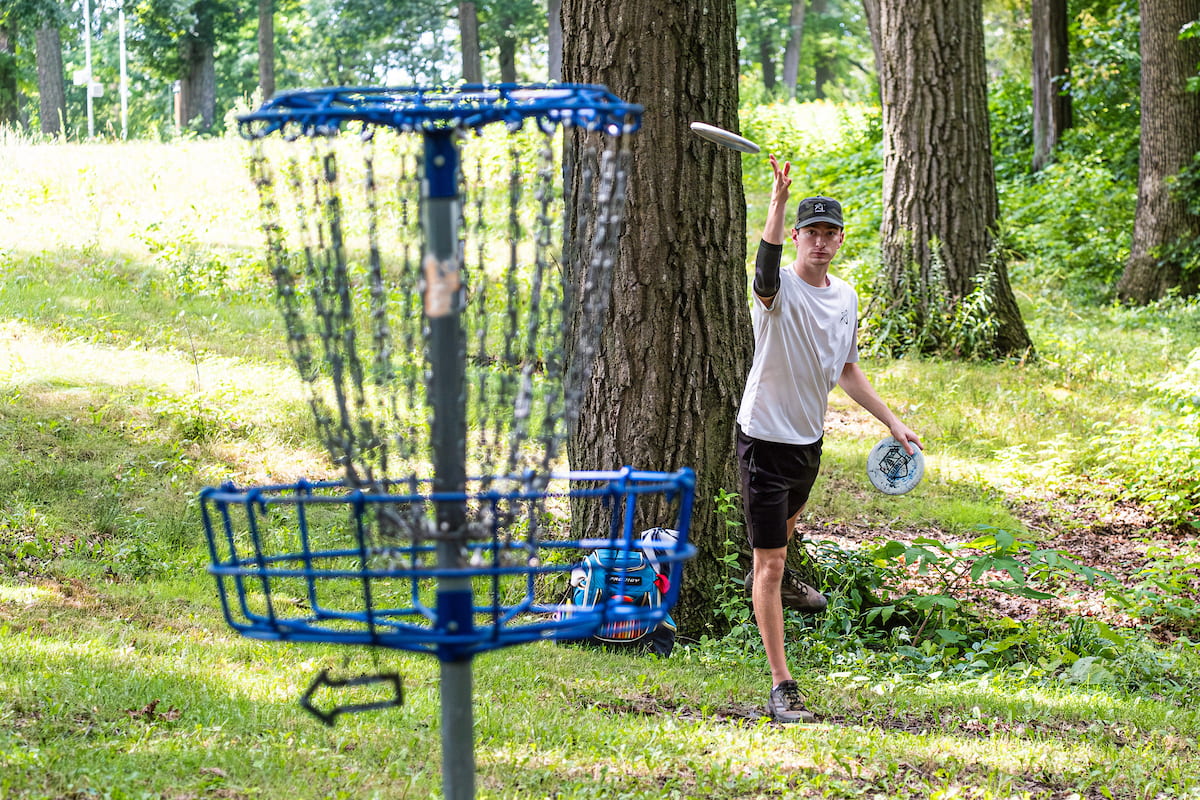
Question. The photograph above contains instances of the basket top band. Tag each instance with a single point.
(425, 109)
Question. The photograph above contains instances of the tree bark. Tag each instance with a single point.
(939, 191)
(1051, 64)
(266, 48)
(791, 53)
(468, 27)
(52, 90)
(1163, 229)
(676, 350)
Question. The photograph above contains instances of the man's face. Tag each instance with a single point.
(817, 244)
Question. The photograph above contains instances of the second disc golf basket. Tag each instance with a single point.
(444, 318)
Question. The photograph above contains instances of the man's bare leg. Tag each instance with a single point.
(768, 603)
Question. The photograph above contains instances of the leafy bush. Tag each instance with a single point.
(1070, 225)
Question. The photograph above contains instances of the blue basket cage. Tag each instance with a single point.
(317, 562)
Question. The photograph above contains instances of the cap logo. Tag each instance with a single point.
(820, 208)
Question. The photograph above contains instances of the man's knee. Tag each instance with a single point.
(769, 564)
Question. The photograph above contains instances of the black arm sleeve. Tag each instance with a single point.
(766, 269)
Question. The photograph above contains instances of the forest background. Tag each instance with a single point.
(1038, 595)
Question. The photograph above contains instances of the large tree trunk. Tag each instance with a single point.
(939, 191)
(1164, 232)
(677, 347)
(1051, 62)
(468, 29)
(266, 48)
(52, 90)
(791, 53)
(10, 106)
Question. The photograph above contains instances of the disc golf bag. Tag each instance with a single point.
(628, 576)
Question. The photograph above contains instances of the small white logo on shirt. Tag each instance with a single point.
(845, 317)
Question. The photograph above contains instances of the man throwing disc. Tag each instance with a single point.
(805, 343)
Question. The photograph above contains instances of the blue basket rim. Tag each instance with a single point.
(432, 108)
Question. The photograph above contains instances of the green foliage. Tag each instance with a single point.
(1069, 226)
(912, 316)
(733, 632)
(1105, 85)
(1166, 589)
(356, 42)
(836, 150)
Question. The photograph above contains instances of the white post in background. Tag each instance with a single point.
(87, 50)
(124, 74)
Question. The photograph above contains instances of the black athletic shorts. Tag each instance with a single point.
(776, 481)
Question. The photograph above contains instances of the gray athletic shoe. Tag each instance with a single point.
(786, 705)
(797, 595)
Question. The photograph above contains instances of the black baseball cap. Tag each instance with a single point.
(818, 209)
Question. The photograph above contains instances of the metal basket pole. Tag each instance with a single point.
(444, 298)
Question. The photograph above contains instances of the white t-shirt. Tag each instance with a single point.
(801, 344)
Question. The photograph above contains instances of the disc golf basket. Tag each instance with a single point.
(444, 320)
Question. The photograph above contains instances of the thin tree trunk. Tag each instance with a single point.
(871, 12)
(1165, 233)
(507, 57)
(468, 28)
(677, 347)
(52, 90)
(766, 57)
(1051, 62)
(266, 48)
(791, 53)
(822, 73)
(555, 39)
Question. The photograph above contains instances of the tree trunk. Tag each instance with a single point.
(468, 28)
(1051, 63)
(10, 105)
(791, 53)
(198, 87)
(766, 57)
(822, 71)
(52, 90)
(1163, 229)
(266, 48)
(198, 83)
(676, 350)
(871, 12)
(555, 40)
(939, 190)
(506, 48)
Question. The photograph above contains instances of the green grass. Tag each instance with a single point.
(141, 359)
